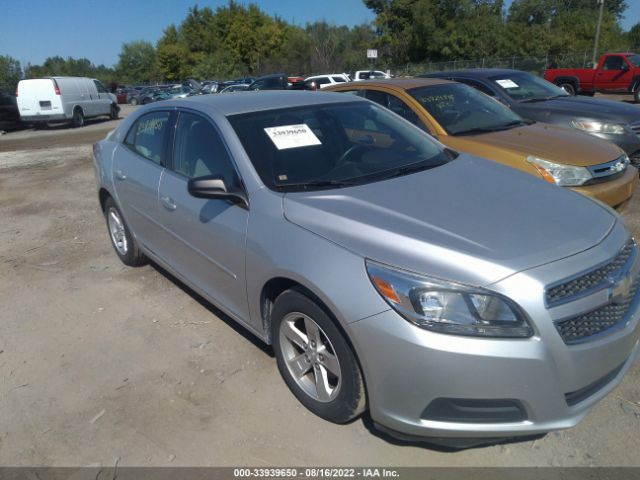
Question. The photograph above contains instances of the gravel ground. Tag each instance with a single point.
(100, 362)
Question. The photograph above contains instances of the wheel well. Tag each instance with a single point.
(103, 195)
(571, 80)
(78, 107)
(273, 288)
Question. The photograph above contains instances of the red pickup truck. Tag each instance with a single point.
(615, 72)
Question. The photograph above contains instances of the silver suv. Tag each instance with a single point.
(450, 296)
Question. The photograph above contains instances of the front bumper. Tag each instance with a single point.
(408, 370)
(614, 193)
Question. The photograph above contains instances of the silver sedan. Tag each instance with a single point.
(451, 297)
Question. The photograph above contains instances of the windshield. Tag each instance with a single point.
(635, 60)
(333, 145)
(461, 110)
(526, 87)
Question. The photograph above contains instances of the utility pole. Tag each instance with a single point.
(595, 46)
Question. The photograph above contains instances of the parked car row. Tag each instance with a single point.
(429, 251)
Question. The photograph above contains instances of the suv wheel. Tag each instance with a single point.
(123, 242)
(315, 360)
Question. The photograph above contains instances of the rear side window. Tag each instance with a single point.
(322, 80)
(396, 105)
(148, 135)
(199, 150)
(338, 79)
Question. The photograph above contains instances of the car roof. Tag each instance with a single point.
(245, 102)
(401, 83)
(473, 72)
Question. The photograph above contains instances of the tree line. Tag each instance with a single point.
(237, 40)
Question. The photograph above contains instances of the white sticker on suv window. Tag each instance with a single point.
(292, 136)
(507, 83)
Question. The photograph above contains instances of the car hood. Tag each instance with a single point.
(551, 142)
(471, 221)
(581, 107)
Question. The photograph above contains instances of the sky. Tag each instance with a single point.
(32, 30)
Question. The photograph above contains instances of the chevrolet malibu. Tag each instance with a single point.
(452, 297)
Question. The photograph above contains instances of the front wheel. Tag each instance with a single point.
(315, 360)
(122, 240)
(113, 112)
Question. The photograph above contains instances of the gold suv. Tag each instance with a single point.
(469, 121)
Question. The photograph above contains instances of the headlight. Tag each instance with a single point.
(448, 307)
(599, 127)
(563, 175)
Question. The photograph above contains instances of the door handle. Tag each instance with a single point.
(168, 203)
(120, 175)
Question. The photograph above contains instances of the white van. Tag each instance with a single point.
(58, 99)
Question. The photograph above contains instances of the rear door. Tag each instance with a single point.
(137, 168)
(204, 239)
(38, 97)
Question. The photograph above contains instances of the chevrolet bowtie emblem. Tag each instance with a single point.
(620, 288)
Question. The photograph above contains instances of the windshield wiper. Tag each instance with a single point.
(497, 128)
(318, 184)
(542, 99)
(413, 167)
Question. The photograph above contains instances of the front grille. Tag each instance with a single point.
(604, 171)
(634, 159)
(635, 127)
(577, 329)
(591, 281)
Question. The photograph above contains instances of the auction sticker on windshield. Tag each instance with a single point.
(292, 136)
(507, 83)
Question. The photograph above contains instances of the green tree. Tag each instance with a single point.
(137, 62)
(10, 73)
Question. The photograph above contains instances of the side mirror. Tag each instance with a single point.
(214, 187)
(624, 67)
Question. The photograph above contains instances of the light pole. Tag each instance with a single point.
(595, 46)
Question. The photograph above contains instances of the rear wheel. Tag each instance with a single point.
(315, 360)
(134, 101)
(122, 240)
(568, 87)
(636, 94)
(78, 118)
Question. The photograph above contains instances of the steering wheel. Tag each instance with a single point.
(346, 156)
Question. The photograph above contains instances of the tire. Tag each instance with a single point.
(113, 113)
(323, 359)
(636, 94)
(134, 101)
(78, 118)
(568, 87)
(146, 101)
(123, 242)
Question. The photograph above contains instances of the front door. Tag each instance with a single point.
(204, 240)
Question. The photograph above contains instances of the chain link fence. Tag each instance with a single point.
(535, 65)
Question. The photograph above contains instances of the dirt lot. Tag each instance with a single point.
(100, 362)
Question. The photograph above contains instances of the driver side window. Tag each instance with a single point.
(199, 150)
